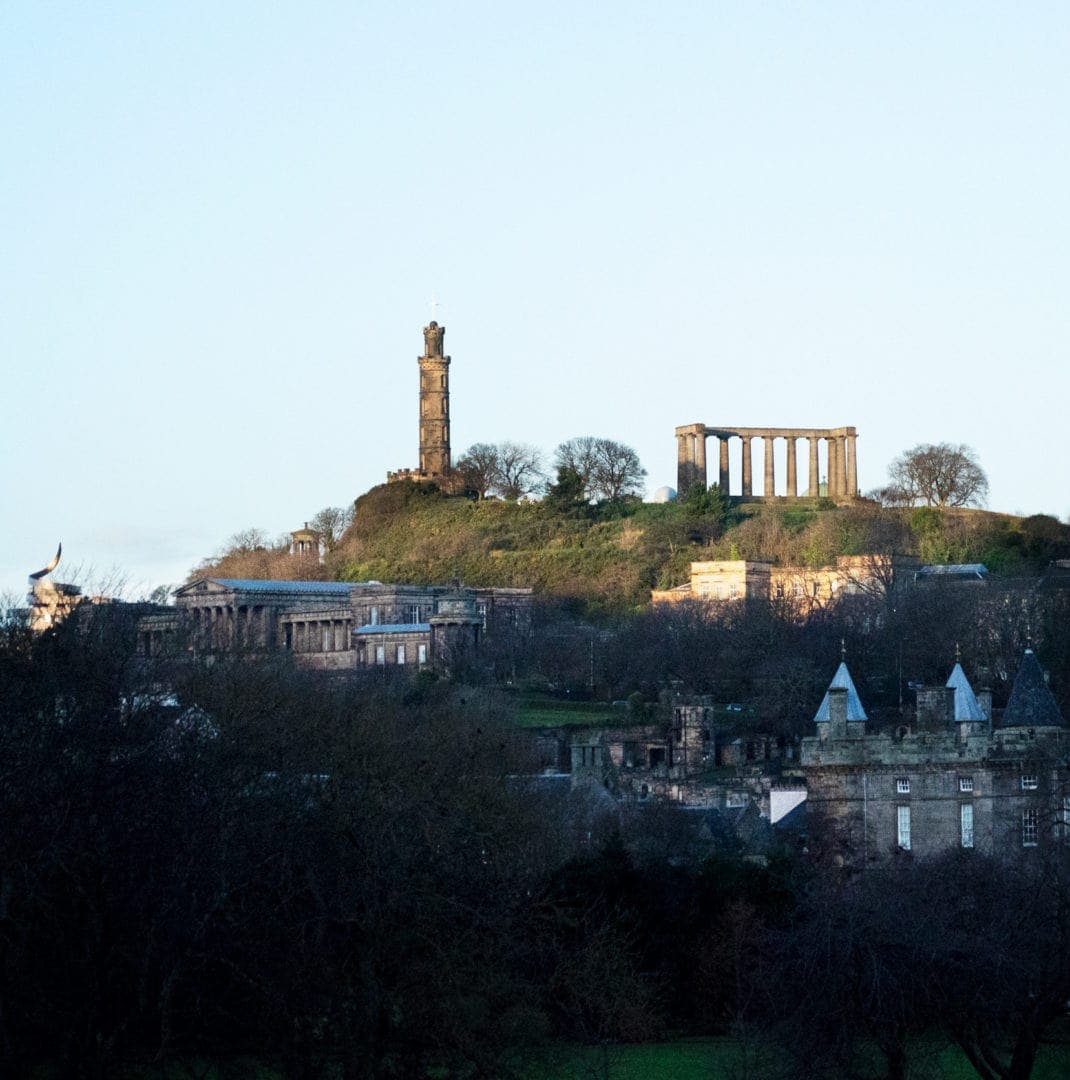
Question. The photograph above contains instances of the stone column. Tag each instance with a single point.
(684, 467)
(832, 443)
(722, 476)
(841, 460)
(793, 481)
(852, 464)
(769, 488)
(700, 458)
(746, 466)
(815, 471)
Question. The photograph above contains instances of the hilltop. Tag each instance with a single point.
(608, 557)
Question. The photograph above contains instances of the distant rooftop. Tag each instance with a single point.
(394, 628)
(1031, 703)
(842, 681)
(296, 588)
(977, 571)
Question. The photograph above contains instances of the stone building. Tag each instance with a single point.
(802, 586)
(956, 777)
(840, 457)
(333, 625)
(433, 411)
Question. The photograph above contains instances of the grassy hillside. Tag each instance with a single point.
(609, 557)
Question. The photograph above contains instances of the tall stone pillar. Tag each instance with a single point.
(769, 488)
(841, 460)
(700, 458)
(833, 445)
(746, 467)
(793, 480)
(434, 403)
(722, 475)
(852, 463)
(815, 470)
(684, 467)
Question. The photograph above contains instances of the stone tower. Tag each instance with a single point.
(434, 404)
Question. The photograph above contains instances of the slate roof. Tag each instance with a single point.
(842, 680)
(394, 628)
(966, 704)
(1031, 703)
(295, 588)
(973, 570)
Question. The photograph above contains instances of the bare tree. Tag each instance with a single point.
(331, 522)
(519, 471)
(936, 474)
(609, 469)
(478, 468)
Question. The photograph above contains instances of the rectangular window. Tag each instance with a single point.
(401, 654)
(373, 617)
(1029, 781)
(966, 824)
(965, 783)
(421, 654)
(736, 799)
(902, 815)
(1030, 828)
(902, 786)
(380, 654)
(328, 637)
(414, 613)
(817, 588)
(483, 614)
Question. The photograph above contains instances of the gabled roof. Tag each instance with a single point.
(842, 680)
(1031, 703)
(966, 704)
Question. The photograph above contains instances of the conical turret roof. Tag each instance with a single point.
(966, 704)
(1031, 703)
(842, 680)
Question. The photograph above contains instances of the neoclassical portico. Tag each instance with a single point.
(840, 459)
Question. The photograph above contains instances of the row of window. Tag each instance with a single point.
(402, 655)
(1028, 782)
(1030, 825)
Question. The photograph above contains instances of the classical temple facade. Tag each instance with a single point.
(840, 458)
(434, 411)
(332, 625)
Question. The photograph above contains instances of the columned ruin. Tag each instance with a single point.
(840, 459)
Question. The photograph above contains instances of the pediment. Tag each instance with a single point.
(202, 587)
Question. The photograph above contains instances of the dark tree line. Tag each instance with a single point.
(349, 877)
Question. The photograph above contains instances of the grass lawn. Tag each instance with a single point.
(730, 1059)
(551, 712)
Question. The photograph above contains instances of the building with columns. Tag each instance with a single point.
(433, 411)
(332, 625)
(839, 457)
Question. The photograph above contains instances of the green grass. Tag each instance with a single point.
(550, 712)
(731, 1059)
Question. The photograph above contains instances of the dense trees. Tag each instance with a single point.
(608, 470)
(507, 469)
(936, 474)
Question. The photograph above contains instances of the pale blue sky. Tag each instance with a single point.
(223, 222)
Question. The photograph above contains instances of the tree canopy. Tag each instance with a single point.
(936, 474)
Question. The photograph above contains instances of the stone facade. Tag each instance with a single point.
(955, 777)
(800, 586)
(840, 458)
(433, 411)
(332, 625)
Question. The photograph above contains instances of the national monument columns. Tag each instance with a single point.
(841, 460)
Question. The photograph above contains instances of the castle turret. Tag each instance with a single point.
(434, 403)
